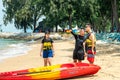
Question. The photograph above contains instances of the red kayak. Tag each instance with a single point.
(59, 71)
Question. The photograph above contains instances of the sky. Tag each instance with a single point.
(10, 27)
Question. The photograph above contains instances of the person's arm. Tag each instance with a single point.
(70, 31)
(52, 46)
(53, 49)
(92, 37)
(84, 49)
(41, 49)
(75, 35)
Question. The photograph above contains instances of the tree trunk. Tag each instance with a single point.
(115, 15)
(118, 28)
(35, 20)
(112, 22)
(56, 29)
(34, 24)
(25, 29)
(70, 21)
(24, 24)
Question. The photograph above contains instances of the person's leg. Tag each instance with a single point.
(91, 55)
(79, 61)
(50, 56)
(80, 55)
(74, 60)
(45, 61)
(45, 56)
(49, 61)
(90, 58)
(75, 56)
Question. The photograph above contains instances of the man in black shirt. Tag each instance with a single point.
(79, 51)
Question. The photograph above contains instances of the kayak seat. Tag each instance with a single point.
(68, 65)
(82, 64)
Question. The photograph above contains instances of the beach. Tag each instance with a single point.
(107, 57)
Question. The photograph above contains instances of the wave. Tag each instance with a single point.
(14, 50)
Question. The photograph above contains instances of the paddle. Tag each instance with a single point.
(33, 72)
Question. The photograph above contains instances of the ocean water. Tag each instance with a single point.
(11, 48)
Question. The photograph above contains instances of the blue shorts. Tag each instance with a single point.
(47, 53)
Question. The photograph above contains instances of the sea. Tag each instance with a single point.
(11, 48)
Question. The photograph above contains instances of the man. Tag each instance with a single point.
(79, 52)
(90, 43)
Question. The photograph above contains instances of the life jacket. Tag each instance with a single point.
(47, 44)
(89, 41)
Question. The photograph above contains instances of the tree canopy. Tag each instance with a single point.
(102, 14)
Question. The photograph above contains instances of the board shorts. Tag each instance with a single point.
(90, 55)
(78, 54)
(47, 53)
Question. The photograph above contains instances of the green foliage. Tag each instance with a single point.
(25, 13)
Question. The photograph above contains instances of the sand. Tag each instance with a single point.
(107, 57)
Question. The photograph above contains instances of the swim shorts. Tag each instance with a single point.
(90, 55)
(78, 54)
(47, 53)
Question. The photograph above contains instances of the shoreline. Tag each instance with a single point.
(12, 48)
(107, 57)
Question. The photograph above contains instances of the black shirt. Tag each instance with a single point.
(47, 44)
(78, 41)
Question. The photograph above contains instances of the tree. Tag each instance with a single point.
(99, 13)
(16, 12)
(24, 13)
(109, 13)
(115, 15)
(35, 10)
